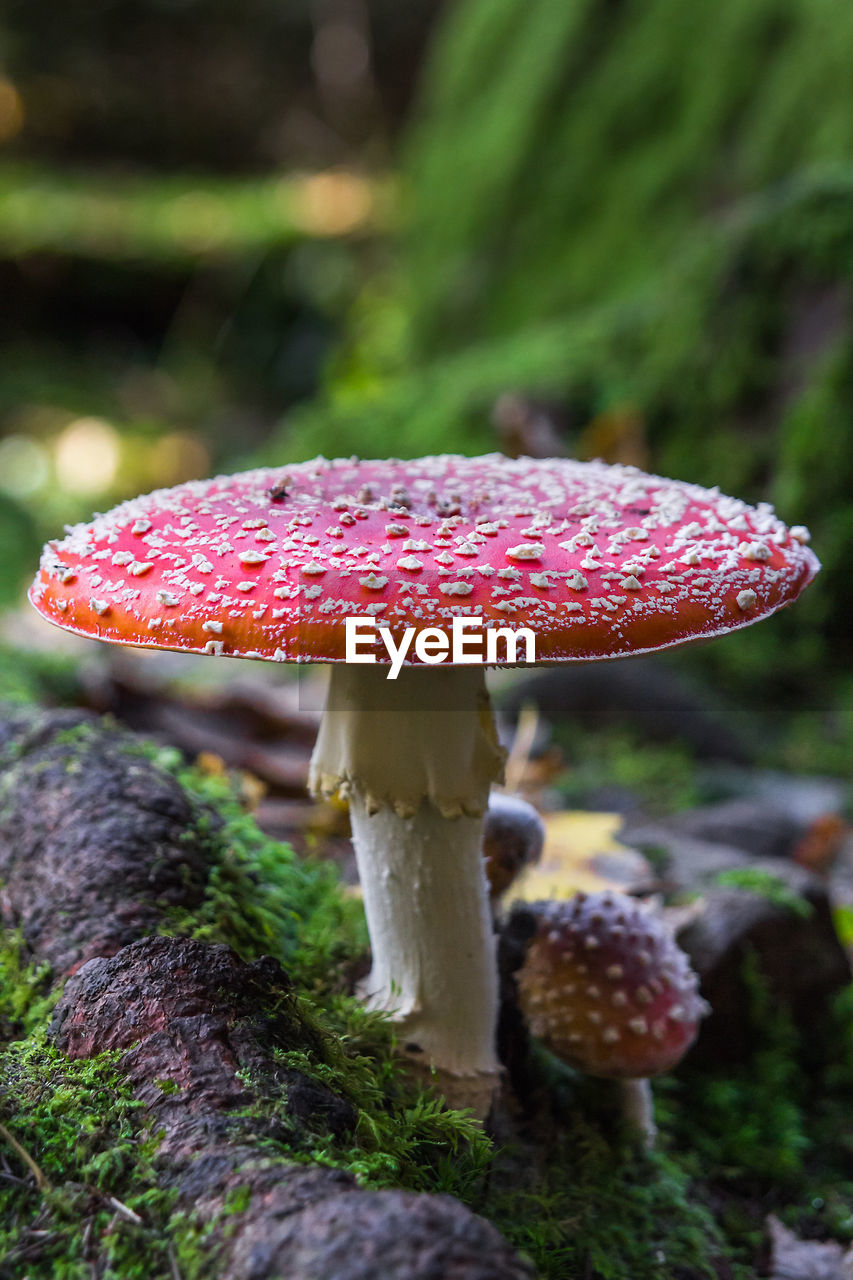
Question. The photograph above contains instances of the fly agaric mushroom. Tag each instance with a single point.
(605, 987)
(599, 561)
(513, 836)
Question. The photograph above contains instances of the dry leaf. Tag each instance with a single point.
(581, 852)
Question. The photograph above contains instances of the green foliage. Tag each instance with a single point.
(612, 1213)
(563, 148)
(755, 880)
(662, 776)
(756, 1126)
(26, 998)
(817, 739)
(772, 1134)
(31, 675)
(17, 529)
(158, 219)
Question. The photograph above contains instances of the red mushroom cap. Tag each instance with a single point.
(607, 989)
(598, 560)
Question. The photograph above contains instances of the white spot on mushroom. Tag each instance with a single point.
(411, 563)
(526, 551)
(168, 599)
(249, 556)
(455, 588)
(374, 582)
(747, 599)
(212, 625)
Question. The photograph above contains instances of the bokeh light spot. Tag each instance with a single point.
(179, 456)
(333, 203)
(87, 456)
(11, 111)
(24, 466)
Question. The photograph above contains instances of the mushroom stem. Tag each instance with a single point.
(416, 756)
(431, 934)
(638, 1111)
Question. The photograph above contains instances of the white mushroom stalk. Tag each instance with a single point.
(638, 1111)
(416, 757)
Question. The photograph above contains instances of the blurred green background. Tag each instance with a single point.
(242, 233)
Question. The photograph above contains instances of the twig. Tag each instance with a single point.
(124, 1211)
(522, 745)
(173, 1263)
(41, 1181)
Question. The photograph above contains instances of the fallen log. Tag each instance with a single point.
(195, 1023)
(97, 847)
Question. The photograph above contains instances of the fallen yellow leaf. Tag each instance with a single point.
(581, 852)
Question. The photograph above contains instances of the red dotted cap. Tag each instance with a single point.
(607, 989)
(598, 560)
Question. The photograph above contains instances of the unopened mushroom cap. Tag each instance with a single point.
(599, 561)
(513, 836)
(607, 989)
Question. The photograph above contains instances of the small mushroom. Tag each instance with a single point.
(513, 836)
(608, 990)
(596, 561)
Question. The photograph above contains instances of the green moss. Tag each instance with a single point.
(237, 1200)
(100, 1196)
(260, 898)
(28, 676)
(662, 775)
(768, 886)
(27, 995)
(597, 1210)
(749, 1120)
(772, 1132)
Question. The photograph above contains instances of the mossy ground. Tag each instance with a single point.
(771, 1136)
